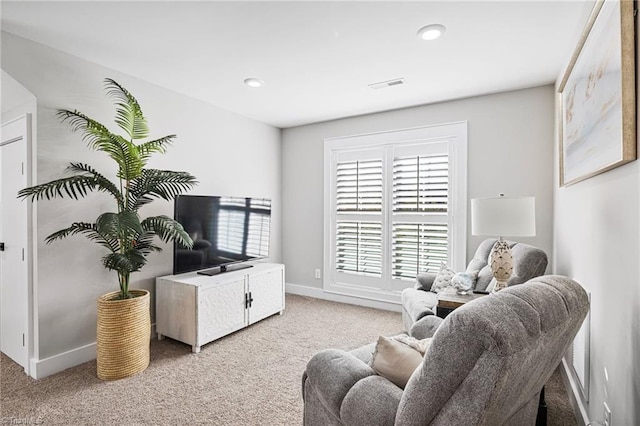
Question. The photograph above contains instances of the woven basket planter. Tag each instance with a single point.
(124, 332)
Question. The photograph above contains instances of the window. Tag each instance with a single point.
(396, 206)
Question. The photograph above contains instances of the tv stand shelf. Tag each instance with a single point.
(197, 309)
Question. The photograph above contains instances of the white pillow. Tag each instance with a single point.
(396, 358)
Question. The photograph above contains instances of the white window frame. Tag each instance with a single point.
(454, 135)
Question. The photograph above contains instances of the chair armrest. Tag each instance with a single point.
(332, 373)
(425, 327)
(371, 401)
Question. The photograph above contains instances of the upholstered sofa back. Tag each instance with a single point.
(529, 262)
(490, 358)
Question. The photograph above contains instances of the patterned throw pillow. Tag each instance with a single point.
(463, 282)
(443, 279)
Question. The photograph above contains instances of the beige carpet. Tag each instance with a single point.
(251, 377)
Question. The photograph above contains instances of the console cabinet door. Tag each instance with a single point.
(221, 310)
(268, 294)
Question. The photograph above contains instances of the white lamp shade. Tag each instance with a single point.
(504, 216)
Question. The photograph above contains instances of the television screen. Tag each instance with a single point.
(224, 230)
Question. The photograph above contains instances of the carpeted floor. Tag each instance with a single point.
(252, 377)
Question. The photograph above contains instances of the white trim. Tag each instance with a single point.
(54, 364)
(318, 293)
(388, 142)
(573, 393)
(41, 368)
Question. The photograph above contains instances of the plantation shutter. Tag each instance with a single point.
(359, 188)
(395, 206)
(420, 195)
(421, 184)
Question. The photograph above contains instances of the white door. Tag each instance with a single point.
(14, 219)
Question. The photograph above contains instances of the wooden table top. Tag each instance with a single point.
(454, 300)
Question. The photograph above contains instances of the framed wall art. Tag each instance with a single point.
(597, 95)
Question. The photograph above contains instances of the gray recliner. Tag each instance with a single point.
(486, 365)
(528, 262)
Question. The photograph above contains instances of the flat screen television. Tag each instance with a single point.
(225, 231)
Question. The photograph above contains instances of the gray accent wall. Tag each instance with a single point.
(597, 243)
(228, 153)
(510, 150)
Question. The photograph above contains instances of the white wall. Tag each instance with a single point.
(510, 143)
(597, 242)
(228, 153)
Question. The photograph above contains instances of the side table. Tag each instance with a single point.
(448, 302)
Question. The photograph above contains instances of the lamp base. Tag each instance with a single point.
(501, 264)
(500, 285)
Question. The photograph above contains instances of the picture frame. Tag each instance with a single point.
(597, 123)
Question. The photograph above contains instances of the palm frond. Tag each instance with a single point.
(128, 112)
(144, 243)
(124, 263)
(158, 145)
(124, 226)
(102, 183)
(168, 230)
(163, 184)
(92, 131)
(124, 153)
(74, 187)
(90, 231)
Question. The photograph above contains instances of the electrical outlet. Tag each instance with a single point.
(607, 415)
(318, 276)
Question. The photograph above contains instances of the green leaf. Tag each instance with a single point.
(168, 230)
(90, 231)
(92, 130)
(128, 112)
(158, 145)
(153, 183)
(124, 263)
(124, 226)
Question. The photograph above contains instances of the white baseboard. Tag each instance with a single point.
(582, 417)
(318, 293)
(54, 364)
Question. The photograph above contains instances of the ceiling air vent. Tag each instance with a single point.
(389, 83)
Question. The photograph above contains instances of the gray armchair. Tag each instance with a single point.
(486, 365)
(528, 262)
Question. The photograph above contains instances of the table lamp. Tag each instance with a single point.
(503, 217)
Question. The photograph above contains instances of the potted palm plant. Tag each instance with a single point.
(124, 323)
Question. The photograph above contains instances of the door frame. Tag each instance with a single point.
(26, 134)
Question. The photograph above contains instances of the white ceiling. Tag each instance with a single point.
(316, 58)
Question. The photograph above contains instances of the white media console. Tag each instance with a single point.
(198, 309)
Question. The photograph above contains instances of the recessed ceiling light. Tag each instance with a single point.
(431, 32)
(253, 82)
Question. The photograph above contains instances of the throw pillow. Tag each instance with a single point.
(396, 358)
(425, 280)
(443, 279)
(463, 282)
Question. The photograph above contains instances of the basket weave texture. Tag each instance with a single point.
(124, 333)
